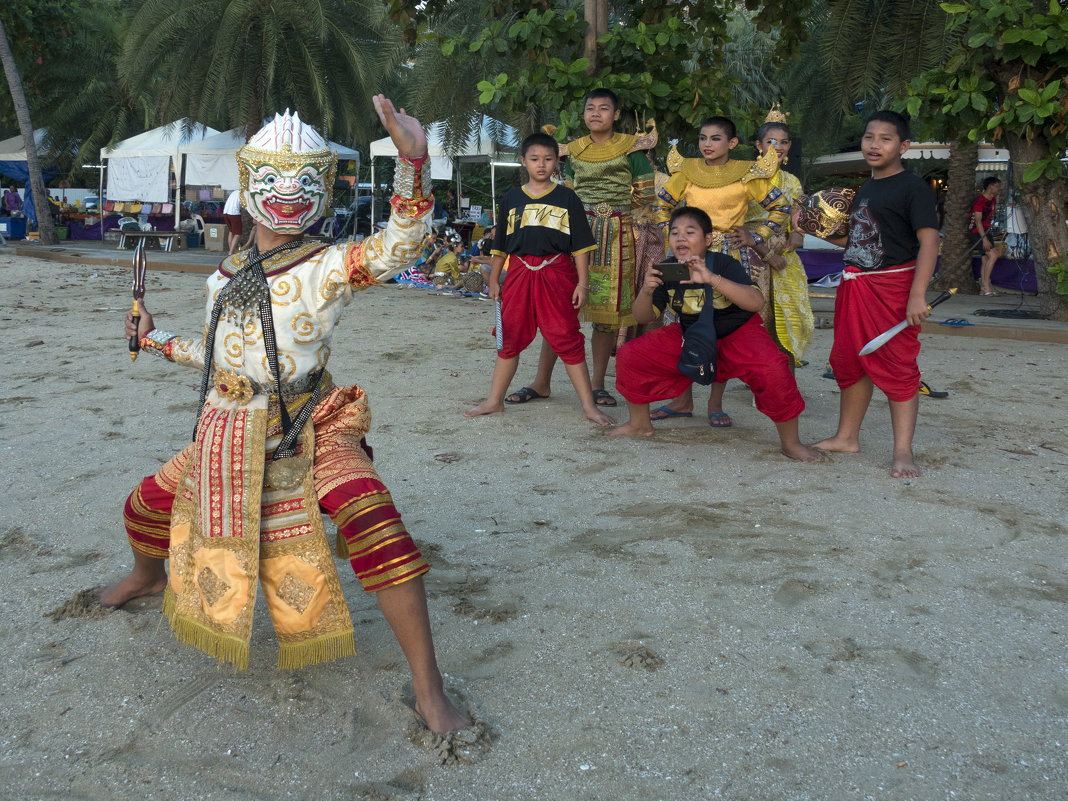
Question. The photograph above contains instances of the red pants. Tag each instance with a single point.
(863, 309)
(647, 368)
(379, 547)
(533, 300)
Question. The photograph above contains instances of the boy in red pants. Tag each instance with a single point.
(545, 238)
(647, 367)
(891, 249)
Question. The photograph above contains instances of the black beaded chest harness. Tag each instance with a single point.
(246, 291)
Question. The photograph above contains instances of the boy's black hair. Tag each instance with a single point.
(989, 182)
(697, 215)
(539, 138)
(602, 92)
(899, 121)
(762, 131)
(725, 123)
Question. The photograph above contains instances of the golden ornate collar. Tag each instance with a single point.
(713, 177)
(585, 149)
(276, 264)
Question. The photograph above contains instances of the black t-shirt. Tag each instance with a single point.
(728, 317)
(542, 226)
(887, 213)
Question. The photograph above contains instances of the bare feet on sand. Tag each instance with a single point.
(133, 586)
(802, 453)
(439, 713)
(486, 407)
(838, 444)
(904, 466)
(632, 428)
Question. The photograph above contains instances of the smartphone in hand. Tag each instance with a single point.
(671, 271)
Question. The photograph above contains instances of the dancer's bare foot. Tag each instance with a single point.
(800, 452)
(632, 428)
(135, 585)
(839, 444)
(904, 466)
(595, 415)
(486, 407)
(439, 713)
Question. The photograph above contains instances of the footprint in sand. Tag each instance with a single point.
(636, 656)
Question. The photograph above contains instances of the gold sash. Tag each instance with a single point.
(227, 529)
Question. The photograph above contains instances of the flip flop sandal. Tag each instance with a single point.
(666, 413)
(603, 395)
(525, 395)
(720, 420)
(926, 390)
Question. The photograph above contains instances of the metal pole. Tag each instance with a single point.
(493, 191)
(100, 200)
(374, 189)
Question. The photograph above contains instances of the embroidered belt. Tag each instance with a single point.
(240, 388)
(605, 210)
(535, 267)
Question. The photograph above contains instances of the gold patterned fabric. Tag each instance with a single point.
(229, 530)
(790, 309)
(616, 184)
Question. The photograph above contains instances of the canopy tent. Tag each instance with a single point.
(482, 146)
(211, 161)
(13, 165)
(139, 167)
(991, 158)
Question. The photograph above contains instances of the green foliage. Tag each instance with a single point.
(666, 60)
(1009, 77)
(231, 63)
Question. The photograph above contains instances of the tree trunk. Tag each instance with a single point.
(956, 266)
(1043, 202)
(596, 12)
(33, 164)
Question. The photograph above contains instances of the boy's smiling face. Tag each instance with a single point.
(600, 115)
(540, 163)
(882, 145)
(715, 145)
(687, 239)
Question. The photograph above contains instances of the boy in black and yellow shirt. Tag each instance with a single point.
(647, 367)
(543, 235)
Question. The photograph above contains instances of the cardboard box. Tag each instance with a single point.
(214, 236)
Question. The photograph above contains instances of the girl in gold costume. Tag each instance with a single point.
(787, 310)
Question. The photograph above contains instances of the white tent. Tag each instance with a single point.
(212, 162)
(14, 149)
(482, 146)
(139, 167)
(991, 158)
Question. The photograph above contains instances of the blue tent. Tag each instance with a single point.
(13, 165)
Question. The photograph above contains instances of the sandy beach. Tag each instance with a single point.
(691, 616)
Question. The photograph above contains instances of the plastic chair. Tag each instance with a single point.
(199, 222)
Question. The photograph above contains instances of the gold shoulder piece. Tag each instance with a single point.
(585, 149)
(674, 160)
(647, 139)
(764, 167)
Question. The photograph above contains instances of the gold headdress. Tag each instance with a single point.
(776, 114)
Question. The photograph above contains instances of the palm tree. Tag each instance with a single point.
(865, 52)
(231, 62)
(33, 163)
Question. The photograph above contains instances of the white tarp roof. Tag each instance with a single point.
(991, 158)
(162, 141)
(14, 149)
(210, 161)
(482, 145)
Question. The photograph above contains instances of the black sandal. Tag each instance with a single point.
(524, 395)
(603, 395)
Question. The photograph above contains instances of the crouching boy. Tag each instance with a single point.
(647, 367)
